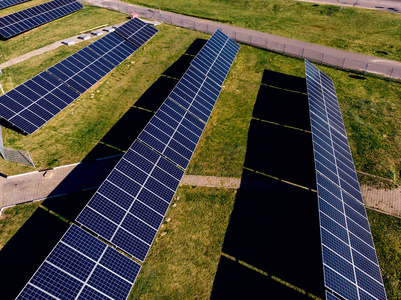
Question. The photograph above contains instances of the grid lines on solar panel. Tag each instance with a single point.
(32, 17)
(136, 32)
(82, 267)
(36, 101)
(84, 68)
(350, 263)
(175, 131)
(129, 206)
(8, 3)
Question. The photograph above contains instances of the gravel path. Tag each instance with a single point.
(76, 177)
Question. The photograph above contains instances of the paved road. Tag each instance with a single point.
(393, 6)
(325, 55)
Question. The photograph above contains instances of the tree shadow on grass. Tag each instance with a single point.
(27, 249)
(274, 226)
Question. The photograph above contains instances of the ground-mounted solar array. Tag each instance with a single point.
(136, 31)
(33, 103)
(35, 16)
(350, 266)
(8, 3)
(82, 267)
(128, 208)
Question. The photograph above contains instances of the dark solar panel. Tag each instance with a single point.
(129, 207)
(33, 103)
(350, 263)
(82, 267)
(136, 32)
(8, 3)
(32, 17)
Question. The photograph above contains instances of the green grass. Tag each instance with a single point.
(386, 233)
(358, 30)
(182, 264)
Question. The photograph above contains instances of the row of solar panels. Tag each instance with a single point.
(350, 266)
(33, 103)
(8, 3)
(35, 16)
(128, 208)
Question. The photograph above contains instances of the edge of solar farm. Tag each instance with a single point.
(33, 103)
(160, 167)
(350, 266)
(32, 17)
(8, 3)
(128, 208)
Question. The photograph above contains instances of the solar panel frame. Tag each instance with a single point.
(35, 16)
(350, 264)
(82, 267)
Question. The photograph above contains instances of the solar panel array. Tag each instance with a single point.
(82, 267)
(35, 16)
(350, 266)
(128, 208)
(8, 3)
(136, 31)
(33, 103)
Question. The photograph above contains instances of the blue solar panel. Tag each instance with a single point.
(8, 3)
(32, 17)
(330, 296)
(350, 263)
(33, 103)
(82, 267)
(136, 32)
(129, 207)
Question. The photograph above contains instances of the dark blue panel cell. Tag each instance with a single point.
(146, 214)
(150, 199)
(370, 285)
(54, 100)
(48, 106)
(123, 182)
(151, 141)
(109, 283)
(328, 185)
(336, 245)
(335, 262)
(23, 124)
(144, 151)
(5, 112)
(97, 223)
(39, 111)
(326, 172)
(356, 217)
(84, 242)
(11, 104)
(131, 244)
(71, 261)
(171, 169)
(117, 195)
(132, 171)
(188, 125)
(161, 125)
(157, 133)
(332, 212)
(363, 234)
(139, 229)
(140, 161)
(56, 282)
(29, 293)
(333, 227)
(339, 284)
(165, 178)
(351, 190)
(107, 208)
(120, 264)
(159, 189)
(182, 150)
(176, 157)
(32, 118)
(90, 293)
(366, 265)
(350, 201)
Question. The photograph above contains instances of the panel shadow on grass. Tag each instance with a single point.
(27, 249)
(274, 226)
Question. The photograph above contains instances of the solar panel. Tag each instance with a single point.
(8, 3)
(129, 207)
(82, 267)
(32, 17)
(136, 32)
(33, 103)
(175, 131)
(350, 264)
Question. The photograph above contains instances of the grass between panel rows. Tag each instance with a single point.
(364, 31)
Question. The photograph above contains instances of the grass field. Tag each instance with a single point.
(371, 111)
(358, 30)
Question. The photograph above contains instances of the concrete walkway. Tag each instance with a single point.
(77, 177)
